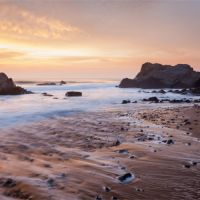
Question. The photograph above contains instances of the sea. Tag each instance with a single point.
(97, 95)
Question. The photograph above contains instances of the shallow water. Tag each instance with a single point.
(27, 108)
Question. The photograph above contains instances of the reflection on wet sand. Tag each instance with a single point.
(117, 154)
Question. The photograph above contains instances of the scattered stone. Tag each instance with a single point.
(47, 165)
(139, 189)
(9, 183)
(123, 151)
(18, 194)
(187, 165)
(51, 182)
(98, 197)
(152, 99)
(126, 101)
(170, 141)
(47, 94)
(132, 157)
(117, 143)
(107, 189)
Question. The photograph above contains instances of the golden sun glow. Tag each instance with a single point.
(102, 39)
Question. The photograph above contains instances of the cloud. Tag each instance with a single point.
(7, 54)
(21, 23)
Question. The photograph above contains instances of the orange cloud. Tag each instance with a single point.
(18, 22)
(6, 54)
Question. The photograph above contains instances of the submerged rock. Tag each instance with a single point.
(8, 87)
(163, 76)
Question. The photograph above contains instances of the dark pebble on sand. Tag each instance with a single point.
(47, 166)
(125, 178)
(170, 141)
(98, 198)
(9, 183)
(139, 190)
(187, 166)
(123, 151)
(132, 157)
(51, 182)
(107, 189)
(194, 163)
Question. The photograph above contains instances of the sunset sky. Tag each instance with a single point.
(62, 39)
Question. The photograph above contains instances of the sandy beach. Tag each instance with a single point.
(82, 156)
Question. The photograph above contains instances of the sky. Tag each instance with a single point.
(96, 39)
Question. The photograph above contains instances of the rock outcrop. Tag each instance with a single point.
(163, 76)
(8, 87)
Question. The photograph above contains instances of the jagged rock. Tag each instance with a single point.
(8, 87)
(163, 76)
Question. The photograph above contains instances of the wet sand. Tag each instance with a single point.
(82, 156)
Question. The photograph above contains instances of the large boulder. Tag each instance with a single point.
(8, 87)
(73, 94)
(163, 76)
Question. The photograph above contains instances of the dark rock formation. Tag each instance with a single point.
(126, 101)
(152, 99)
(73, 94)
(163, 76)
(8, 87)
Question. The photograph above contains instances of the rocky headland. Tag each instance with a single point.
(163, 76)
(8, 87)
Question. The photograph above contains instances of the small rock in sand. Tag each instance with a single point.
(117, 143)
(107, 189)
(126, 178)
(9, 183)
(98, 197)
(123, 151)
(51, 182)
(170, 141)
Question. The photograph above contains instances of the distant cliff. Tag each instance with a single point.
(8, 87)
(163, 76)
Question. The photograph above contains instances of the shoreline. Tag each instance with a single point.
(76, 157)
